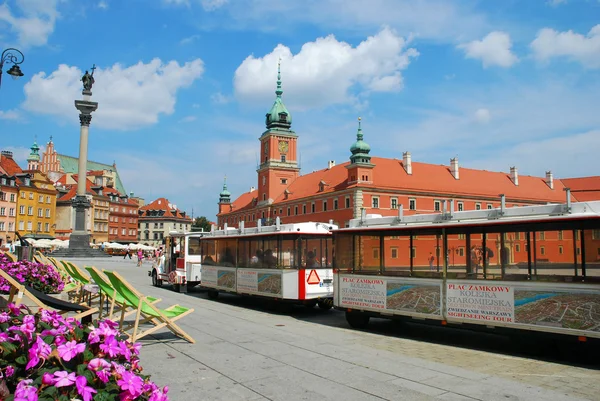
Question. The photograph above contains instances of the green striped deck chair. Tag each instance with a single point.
(147, 312)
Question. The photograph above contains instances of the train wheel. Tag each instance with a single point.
(357, 320)
(155, 280)
(325, 303)
(212, 294)
(310, 304)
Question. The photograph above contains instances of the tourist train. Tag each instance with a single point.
(285, 262)
(532, 268)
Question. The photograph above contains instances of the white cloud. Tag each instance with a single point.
(326, 71)
(556, 3)
(188, 119)
(219, 98)
(189, 40)
(211, 5)
(530, 117)
(20, 154)
(574, 46)
(178, 2)
(103, 5)
(483, 116)
(9, 115)
(494, 49)
(35, 22)
(128, 97)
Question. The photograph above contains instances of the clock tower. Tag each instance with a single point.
(278, 166)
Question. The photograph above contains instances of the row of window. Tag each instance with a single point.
(161, 225)
(124, 231)
(40, 227)
(412, 204)
(313, 208)
(101, 227)
(11, 211)
(157, 236)
(123, 219)
(123, 210)
(40, 211)
(32, 196)
(8, 181)
(3, 197)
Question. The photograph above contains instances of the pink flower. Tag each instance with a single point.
(25, 392)
(70, 349)
(111, 346)
(64, 379)
(48, 379)
(38, 350)
(4, 317)
(131, 383)
(83, 390)
(101, 367)
(9, 371)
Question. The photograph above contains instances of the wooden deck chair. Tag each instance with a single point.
(147, 312)
(82, 279)
(19, 290)
(107, 291)
(12, 257)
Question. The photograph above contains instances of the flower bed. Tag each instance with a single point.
(42, 277)
(48, 357)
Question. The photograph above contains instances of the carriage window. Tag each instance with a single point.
(428, 261)
(554, 256)
(194, 246)
(396, 254)
(226, 252)
(209, 256)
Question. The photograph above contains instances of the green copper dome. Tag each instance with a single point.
(225, 195)
(360, 146)
(360, 149)
(34, 155)
(279, 116)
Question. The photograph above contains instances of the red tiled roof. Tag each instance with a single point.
(69, 195)
(389, 174)
(162, 204)
(243, 202)
(10, 165)
(584, 189)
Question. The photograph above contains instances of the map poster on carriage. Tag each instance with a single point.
(218, 277)
(483, 302)
(379, 293)
(266, 283)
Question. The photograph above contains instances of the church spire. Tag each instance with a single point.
(279, 116)
(225, 195)
(360, 149)
(279, 90)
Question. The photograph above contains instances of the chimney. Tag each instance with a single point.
(330, 164)
(514, 175)
(406, 160)
(252, 189)
(7, 153)
(550, 179)
(131, 194)
(454, 167)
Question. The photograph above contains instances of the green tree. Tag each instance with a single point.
(201, 224)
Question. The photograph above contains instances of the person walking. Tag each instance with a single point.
(140, 255)
(431, 260)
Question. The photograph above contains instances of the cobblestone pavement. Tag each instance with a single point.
(246, 351)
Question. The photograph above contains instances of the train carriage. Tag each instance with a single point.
(287, 262)
(532, 268)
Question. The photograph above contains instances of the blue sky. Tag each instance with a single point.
(183, 85)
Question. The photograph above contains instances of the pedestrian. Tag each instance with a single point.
(431, 259)
(140, 255)
(127, 253)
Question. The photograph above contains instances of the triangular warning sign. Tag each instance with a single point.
(313, 277)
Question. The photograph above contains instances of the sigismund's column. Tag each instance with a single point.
(79, 237)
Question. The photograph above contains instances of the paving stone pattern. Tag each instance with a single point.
(246, 353)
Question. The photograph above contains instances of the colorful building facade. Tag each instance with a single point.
(8, 207)
(158, 218)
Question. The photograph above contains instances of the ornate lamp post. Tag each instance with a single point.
(14, 57)
(80, 239)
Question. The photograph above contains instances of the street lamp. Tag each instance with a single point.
(14, 57)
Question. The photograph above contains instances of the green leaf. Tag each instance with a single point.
(10, 347)
(21, 360)
(81, 369)
(88, 355)
(48, 339)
